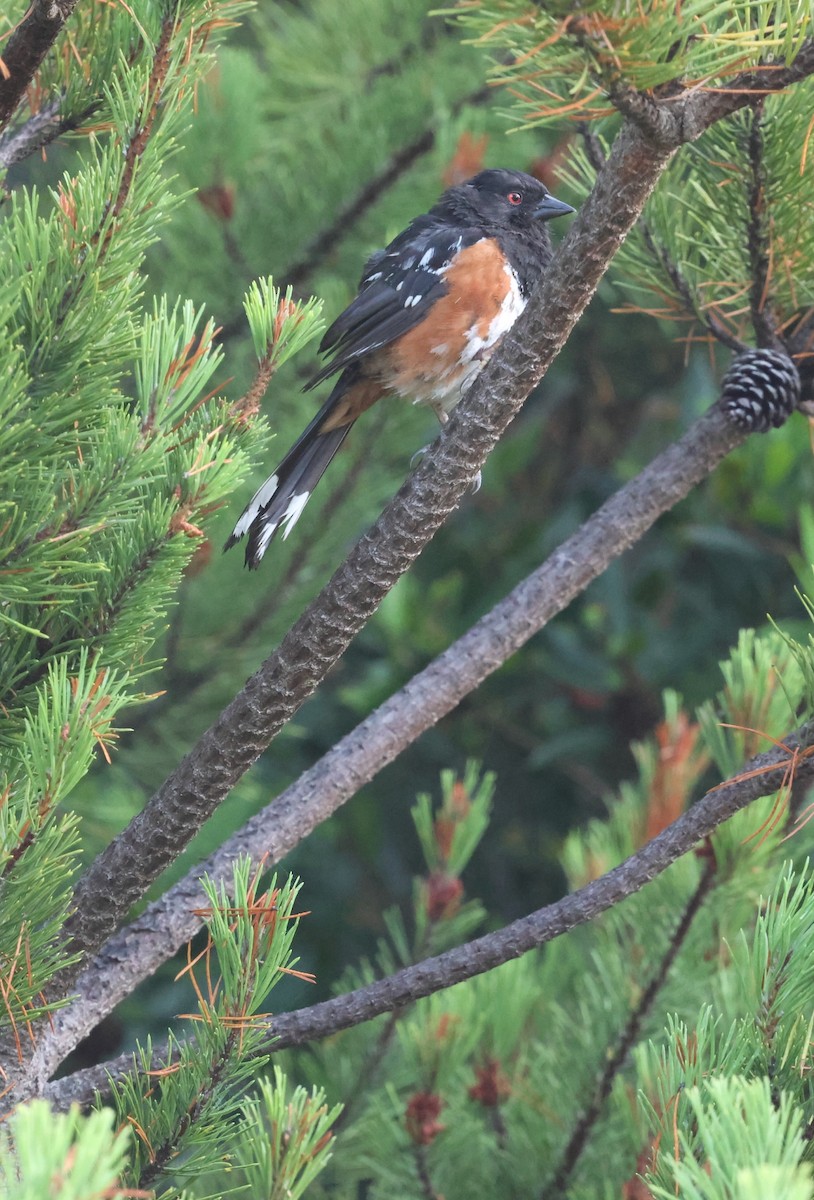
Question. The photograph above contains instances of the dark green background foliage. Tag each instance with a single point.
(308, 106)
(317, 131)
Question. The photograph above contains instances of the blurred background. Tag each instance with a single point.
(322, 131)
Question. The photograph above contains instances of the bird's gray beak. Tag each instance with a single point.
(552, 207)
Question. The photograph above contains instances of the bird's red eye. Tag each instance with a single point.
(515, 198)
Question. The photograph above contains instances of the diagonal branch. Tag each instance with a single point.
(763, 775)
(27, 47)
(628, 1036)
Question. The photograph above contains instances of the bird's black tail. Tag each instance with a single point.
(283, 496)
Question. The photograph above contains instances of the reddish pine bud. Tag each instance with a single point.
(492, 1086)
(459, 801)
(444, 894)
(200, 559)
(444, 830)
(219, 199)
(467, 159)
(421, 1116)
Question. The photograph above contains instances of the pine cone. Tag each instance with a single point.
(760, 390)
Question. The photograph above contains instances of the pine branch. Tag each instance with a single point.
(596, 157)
(628, 1038)
(169, 922)
(761, 776)
(163, 1154)
(40, 131)
(27, 47)
(122, 873)
(684, 291)
(709, 105)
(133, 151)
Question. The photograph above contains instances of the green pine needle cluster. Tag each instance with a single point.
(734, 206)
(176, 1109)
(562, 61)
(75, 1157)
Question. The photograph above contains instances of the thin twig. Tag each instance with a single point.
(627, 1039)
(423, 1171)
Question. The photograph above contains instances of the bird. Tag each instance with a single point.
(430, 310)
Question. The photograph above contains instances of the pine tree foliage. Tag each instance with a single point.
(179, 1109)
(44, 1154)
(748, 1144)
(116, 441)
(562, 61)
(284, 1139)
(471, 1084)
(726, 238)
(705, 226)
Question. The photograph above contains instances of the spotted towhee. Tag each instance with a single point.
(431, 310)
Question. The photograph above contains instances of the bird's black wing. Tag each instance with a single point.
(398, 287)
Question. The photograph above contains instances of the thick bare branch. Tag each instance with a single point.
(27, 47)
(761, 776)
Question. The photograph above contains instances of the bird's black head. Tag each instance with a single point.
(502, 200)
